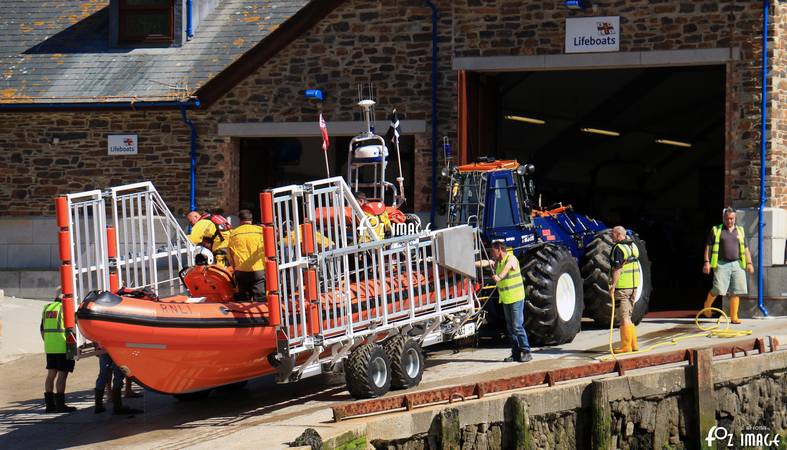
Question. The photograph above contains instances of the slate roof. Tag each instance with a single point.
(58, 51)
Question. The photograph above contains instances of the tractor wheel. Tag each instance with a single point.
(554, 295)
(407, 361)
(368, 371)
(595, 271)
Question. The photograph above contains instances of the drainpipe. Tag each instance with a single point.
(193, 177)
(434, 110)
(763, 141)
(189, 21)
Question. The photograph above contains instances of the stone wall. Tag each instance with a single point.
(777, 171)
(388, 43)
(648, 410)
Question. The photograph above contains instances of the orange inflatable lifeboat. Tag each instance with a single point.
(183, 344)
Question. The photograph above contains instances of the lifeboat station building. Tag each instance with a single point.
(640, 112)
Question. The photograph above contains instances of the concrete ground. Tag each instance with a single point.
(262, 415)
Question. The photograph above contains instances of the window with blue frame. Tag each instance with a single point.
(503, 209)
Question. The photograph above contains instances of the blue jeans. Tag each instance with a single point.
(515, 322)
(106, 368)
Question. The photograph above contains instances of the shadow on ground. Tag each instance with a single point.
(24, 425)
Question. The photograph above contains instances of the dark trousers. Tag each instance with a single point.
(251, 283)
(106, 369)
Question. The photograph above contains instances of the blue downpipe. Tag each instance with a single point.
(763, 142)
(189, 19)
(434, 110)
(193, 154)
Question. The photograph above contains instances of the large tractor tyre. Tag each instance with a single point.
(596, 273)
(368, 371)
(554, 295)
(407, 361)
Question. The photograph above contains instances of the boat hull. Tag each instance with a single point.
(180, 348)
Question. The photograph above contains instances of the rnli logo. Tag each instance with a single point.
(605, 28)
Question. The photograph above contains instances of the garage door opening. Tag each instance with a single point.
(638, 147)
(279, 161)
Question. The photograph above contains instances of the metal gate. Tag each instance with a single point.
(124, 236)
(334, 282)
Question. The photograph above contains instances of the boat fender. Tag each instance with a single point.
(103, 298)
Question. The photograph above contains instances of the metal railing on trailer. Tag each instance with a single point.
(123, 236)
(333, 284)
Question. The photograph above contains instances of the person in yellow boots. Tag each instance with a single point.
(624, 281)
(728, 255)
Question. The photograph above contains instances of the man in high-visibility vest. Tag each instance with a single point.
(511, 295)
(728, 255)
(247, 256)
(58, 366)
(626, 277)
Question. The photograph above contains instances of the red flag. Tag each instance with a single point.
(324, 129)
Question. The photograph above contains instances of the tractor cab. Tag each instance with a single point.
(495, 196)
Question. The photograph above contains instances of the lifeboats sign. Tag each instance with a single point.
(593, 34)
(122, 144)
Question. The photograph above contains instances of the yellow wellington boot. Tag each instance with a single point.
(625, 341)
(708, 303)
(735, 302)
(633, 337)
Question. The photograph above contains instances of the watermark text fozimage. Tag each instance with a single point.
(374, 224)
(756, 436)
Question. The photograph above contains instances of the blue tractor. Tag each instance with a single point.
(564, 255)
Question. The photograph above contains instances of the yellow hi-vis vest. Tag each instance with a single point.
(629, 276)
(510, 289)
(714, 256)
(53, 328)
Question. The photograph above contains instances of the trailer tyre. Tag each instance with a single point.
(595, 271)
(407, 361)
(554, 300)
(368, 371)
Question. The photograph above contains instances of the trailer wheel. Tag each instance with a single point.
(595, 271)
(368, 371)
(407, 361)
(554, 300)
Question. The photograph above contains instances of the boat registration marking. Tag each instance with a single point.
(141, 345)
(176, 308)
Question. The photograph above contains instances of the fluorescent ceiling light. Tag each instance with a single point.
(599, 131)
(675, 143)
(526, 119)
